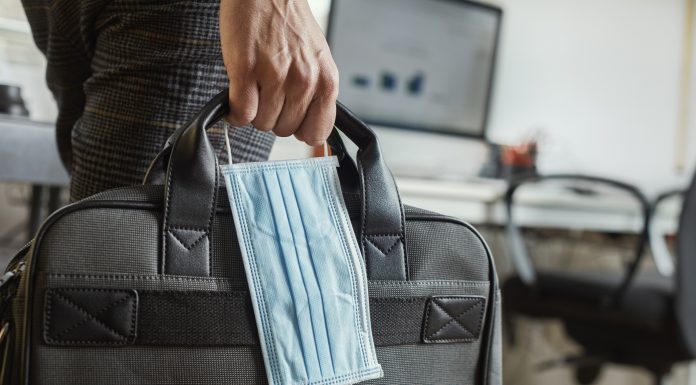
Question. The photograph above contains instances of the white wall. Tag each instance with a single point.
(598, 79)
(22, 64)
(601, 79)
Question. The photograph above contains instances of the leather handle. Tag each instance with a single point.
(190, 188)
(382, 234)
(192, 180)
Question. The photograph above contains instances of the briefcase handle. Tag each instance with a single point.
(192, 179)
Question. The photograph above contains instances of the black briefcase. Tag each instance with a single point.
(145, 284)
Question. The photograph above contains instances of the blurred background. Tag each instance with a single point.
(588, 106)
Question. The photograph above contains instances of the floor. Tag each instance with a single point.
(539, 341)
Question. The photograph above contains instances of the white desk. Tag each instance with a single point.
(28, 153)
(481, 202)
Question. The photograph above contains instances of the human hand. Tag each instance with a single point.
(282, 75)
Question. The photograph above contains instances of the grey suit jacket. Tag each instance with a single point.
(125, 74)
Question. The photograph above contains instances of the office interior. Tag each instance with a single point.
(564, 130)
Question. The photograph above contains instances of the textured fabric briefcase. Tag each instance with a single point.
(146, 285)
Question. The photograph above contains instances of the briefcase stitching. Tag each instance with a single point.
(477, 303)
(87, 317)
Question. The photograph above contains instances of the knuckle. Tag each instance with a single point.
(287, 125)
(262, 124)
(240, 70)
(242, 115)
(239, 120)
(275, 74)
(242, 105)
(242, 64)
(305, 76)
(329, 82)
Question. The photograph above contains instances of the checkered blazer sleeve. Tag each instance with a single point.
(125, 74)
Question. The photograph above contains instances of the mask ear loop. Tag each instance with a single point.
(227, 145)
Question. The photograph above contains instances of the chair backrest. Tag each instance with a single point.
(686, 269)
(524, 265)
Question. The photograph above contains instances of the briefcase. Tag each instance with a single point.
(146, 284)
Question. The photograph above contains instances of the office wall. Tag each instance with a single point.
(21, 63)
(600, 80)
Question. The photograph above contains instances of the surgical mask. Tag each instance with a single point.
(305, 272)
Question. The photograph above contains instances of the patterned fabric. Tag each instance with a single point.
(125, 75)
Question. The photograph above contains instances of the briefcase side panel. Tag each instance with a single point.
(147, 361)
(120, 237)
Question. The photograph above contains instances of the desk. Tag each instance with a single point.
(480, 201)
(28, 154)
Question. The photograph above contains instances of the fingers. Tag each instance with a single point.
(301, 86)
(300, 100)
(244, 103)
(318, 122)
(321, 114)
(281, 73)
(271, 100)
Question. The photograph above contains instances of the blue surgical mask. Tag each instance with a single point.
(306, 275)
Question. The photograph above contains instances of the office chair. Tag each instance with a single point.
(663, 256)
(629, 317)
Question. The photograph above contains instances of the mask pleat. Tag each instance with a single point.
(333, 267)
(308, 252)
(293, 274)
(268, 259)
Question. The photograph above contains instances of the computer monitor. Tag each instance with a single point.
(425, 65)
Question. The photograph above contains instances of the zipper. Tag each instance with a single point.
(10, 280)
(18, 259)
(8, 286)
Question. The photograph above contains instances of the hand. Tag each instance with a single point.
(282, 75)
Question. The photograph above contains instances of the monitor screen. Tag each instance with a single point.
(416, 64)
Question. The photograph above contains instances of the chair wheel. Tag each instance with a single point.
(587, 374)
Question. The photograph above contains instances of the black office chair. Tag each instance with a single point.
(631, 317)
(662, 251)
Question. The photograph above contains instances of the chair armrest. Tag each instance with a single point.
(658, 246)
(520, 256)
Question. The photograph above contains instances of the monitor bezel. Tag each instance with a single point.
(491, 78)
